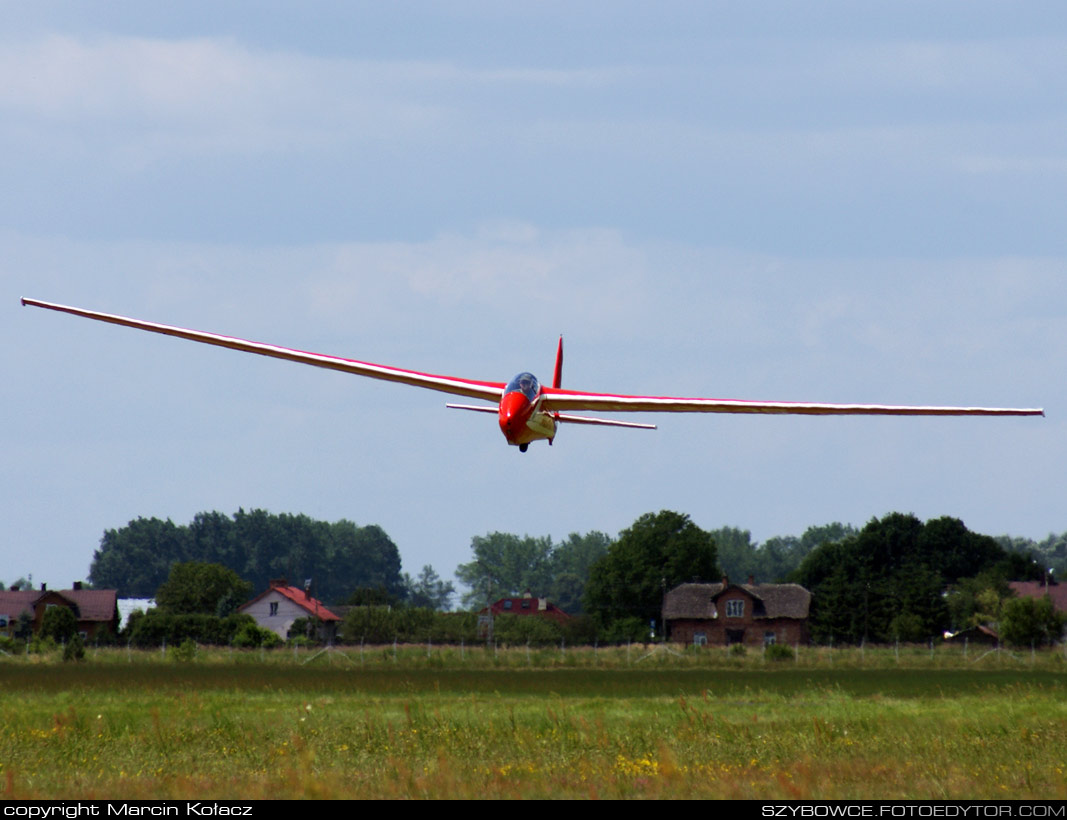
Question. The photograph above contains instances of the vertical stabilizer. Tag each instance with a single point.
(557, 374)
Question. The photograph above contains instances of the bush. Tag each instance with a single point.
(779, 652)
(1031, 621)
(738, 649)
(185, 651)
(59, 624)
(525, 629)
(155, 627)
(251, 636)
(75, 650)
(626, 629)
(11, 646)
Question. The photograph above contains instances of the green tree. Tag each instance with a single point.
(658, 552)
(737, 554)
(1031, 621)
(503, 565)
(196, 587)
(257, 545)
(570, 564)
(59, 624)
(136, 559)
(24, 626)
(428, 591)
(888, 580)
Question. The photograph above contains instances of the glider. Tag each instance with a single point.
(528, 411)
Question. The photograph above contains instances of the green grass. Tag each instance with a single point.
(452, 723)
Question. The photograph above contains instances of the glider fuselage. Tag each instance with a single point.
(521, 418)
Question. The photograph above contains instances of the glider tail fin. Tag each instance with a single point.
(557, 373)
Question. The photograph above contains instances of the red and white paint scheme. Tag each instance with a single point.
(527, 410)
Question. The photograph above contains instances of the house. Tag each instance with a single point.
(980, 634)
(527, 604)
(95, 610)
(1039, 589)
(726, 613)
(281, 604)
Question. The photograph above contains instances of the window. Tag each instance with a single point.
(700, 638)
(735, 609)
(769, 639)
(273, 607)
(525, 604)
(507, 604)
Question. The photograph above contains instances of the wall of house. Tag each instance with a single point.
(280, 622)
(738, 622)
(748, 631)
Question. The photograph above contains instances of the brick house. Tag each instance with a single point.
(95, 610)
(281, 604)
(1039, 589)
(725, 613)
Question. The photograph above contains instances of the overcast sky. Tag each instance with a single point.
(781, 201)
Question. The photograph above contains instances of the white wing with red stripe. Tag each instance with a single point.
(567, 400)
(555, 400)
(490, 391)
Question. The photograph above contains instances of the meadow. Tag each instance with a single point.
(462, 722)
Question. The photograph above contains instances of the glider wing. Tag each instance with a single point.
(567, 400)
(445, 384)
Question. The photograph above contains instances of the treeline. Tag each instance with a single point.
(338, 557)
(506, 565)
(896, 579)
(376, 625)
(1050, 553)
(901, 579)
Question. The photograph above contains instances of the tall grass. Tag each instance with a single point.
(451, 722)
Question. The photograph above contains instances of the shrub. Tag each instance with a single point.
(779, 652)
(74, 650)
(185, 651)
(59, 624)
(251, 636)
(626, 629)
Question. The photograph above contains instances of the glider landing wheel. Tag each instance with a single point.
(523, 448)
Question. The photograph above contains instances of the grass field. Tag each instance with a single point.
(451, 722)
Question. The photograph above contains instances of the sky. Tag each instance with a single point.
(825, 201)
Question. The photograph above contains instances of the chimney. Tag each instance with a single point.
(77, 586)
(725, 581)
(751, 580)
(44, 587)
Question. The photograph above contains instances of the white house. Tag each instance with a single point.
(281, 604)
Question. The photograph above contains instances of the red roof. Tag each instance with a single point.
(313, 605)
(1037, 589)
(528, 605)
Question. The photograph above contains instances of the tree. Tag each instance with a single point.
(59, 624)
(196, 587)
(136, 559)
(257, 545)
(570, 564)
(736, 553)
(428, 591)
(658, 552)
(887, 581)
(1029, 621)
(505, 565)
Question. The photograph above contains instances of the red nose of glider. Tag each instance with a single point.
(514, 413)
